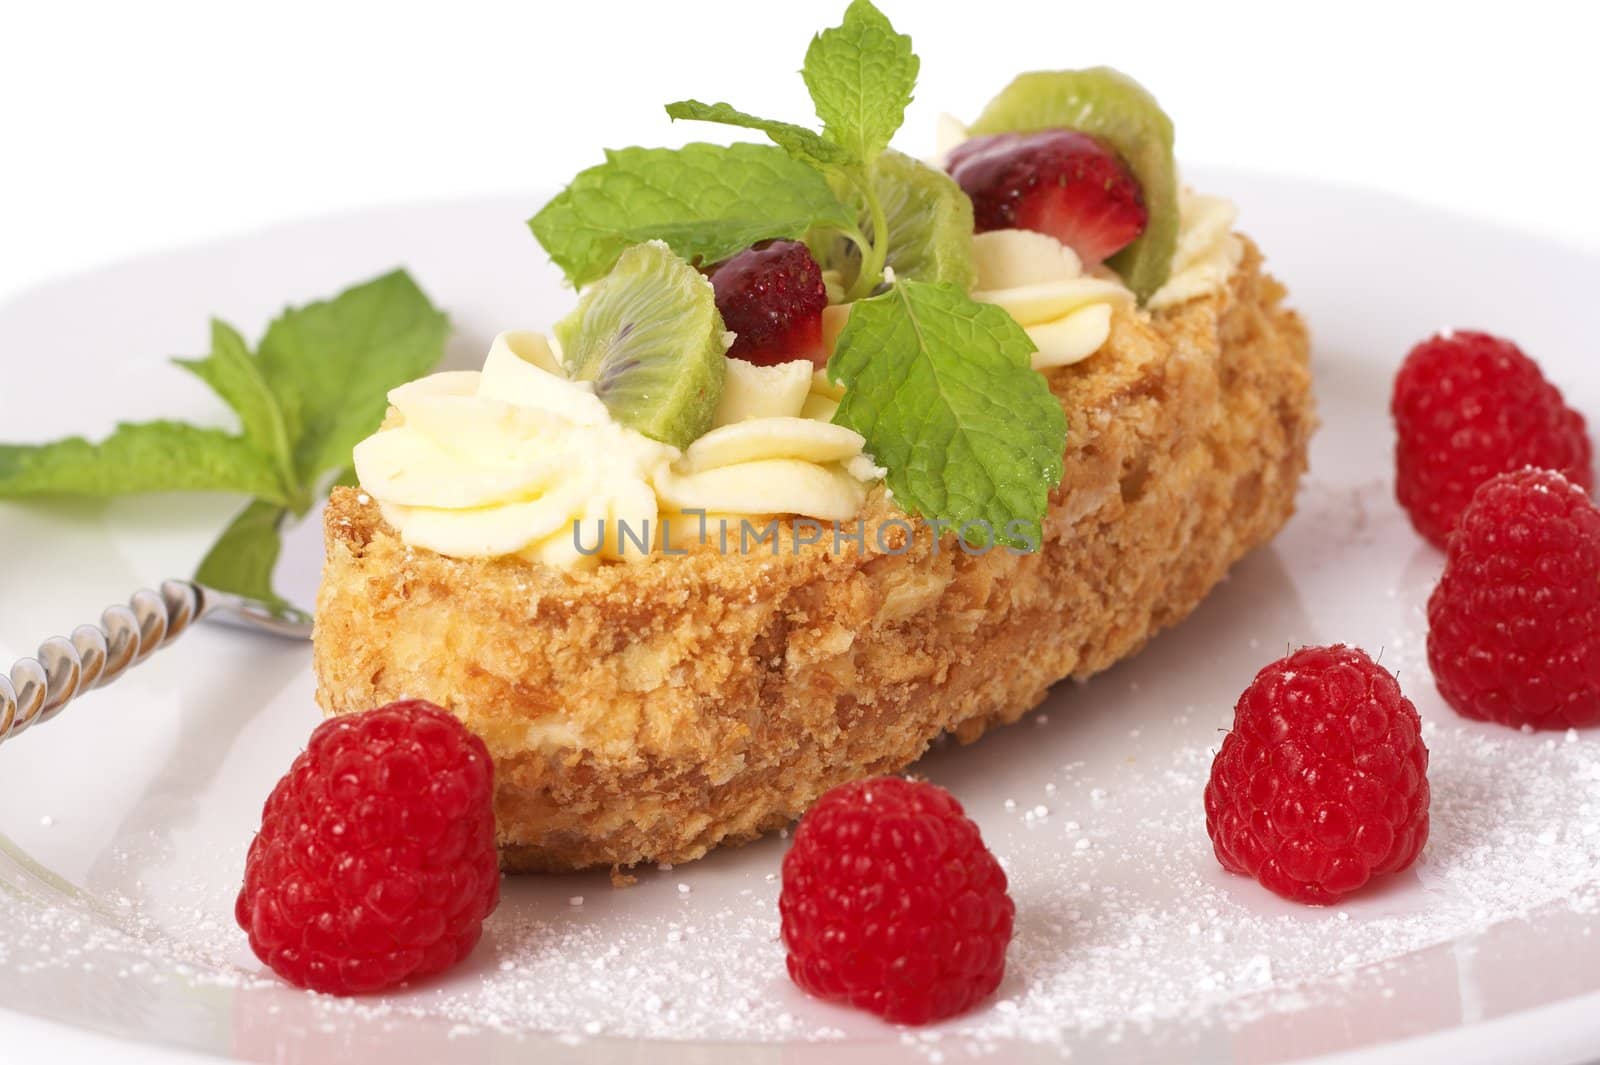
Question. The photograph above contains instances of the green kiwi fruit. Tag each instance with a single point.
(649, 336)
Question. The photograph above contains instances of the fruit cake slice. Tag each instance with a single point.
(649, 711)
(963, 432)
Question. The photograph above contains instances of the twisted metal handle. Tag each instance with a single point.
(96, 655)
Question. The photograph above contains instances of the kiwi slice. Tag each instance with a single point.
(929, 218)
(1110, 105)
(649, 336)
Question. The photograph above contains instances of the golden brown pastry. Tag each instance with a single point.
(650, 711)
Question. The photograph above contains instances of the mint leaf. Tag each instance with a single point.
(705, 201)
(332, 364)
(928, 224)
(940, 385)
(153, 457)
(244, 556)
(319, 384)
(861, 75)
(843, 169)
(232, 373)
(802, 144)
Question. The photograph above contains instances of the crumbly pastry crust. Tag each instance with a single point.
(649, 711)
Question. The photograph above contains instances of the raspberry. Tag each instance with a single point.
(891, 903)
(1514, 623)
(772, 297)
(1323, 782)
(376, 862)
(1467, 406)
(1057, 181)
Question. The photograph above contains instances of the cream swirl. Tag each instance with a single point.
(1041, 283)
(1208, 250)
(519, 459)
(515, 460)
(773, 450)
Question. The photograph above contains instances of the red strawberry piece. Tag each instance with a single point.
(376, 860)
(1467, 406)
(891, 903)
(1059, 181)
(1514, 623)
(1322, 784)
(772, 297)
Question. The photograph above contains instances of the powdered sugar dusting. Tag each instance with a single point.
(1129, 936)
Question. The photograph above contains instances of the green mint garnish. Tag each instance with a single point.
(941, 387)
(830, 159)
(860, 75)
(803, 145)
(706, 201)
(244, 556)
(232, 373)
(159, 456)
(331, 365)
(929, 219)
(316, 385)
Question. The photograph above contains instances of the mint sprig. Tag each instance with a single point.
(160, 456)
(316, 385)
(332, 363)
(829, 158)
(941, 387)
(244, 556)
(860, 75)
(803, 145)
(706, 201)
(232, 373)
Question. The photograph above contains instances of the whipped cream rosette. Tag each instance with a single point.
(519, 459)
(1041, 283)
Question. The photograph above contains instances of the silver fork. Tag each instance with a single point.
(95, 655)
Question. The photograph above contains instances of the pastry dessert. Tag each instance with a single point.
(721, 544)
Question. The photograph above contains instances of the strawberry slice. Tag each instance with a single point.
(1058, 181)
(772, 296)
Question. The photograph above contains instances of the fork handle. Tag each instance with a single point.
(96, 655)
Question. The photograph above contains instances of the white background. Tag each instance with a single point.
(136, 127)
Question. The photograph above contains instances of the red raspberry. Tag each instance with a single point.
(891, 903)
(772, 296)
(1323, 782)
(1467, 406)
(1514, 624)
(376, 862)
(1056, 181)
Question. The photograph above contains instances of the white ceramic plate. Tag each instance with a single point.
(125, 821)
